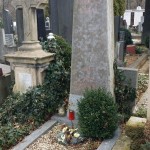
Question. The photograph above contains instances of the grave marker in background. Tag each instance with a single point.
(61, 18)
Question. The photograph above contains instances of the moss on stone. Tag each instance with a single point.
(123, 143)
(135, 127)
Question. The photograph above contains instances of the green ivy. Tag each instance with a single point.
(22, 113)
(124, 93)
(119, 7)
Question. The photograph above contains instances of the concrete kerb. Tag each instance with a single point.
(105, 145)
(109, 143)
(35, 135)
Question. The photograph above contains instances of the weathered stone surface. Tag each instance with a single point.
(29, 67)
(92, 47)
(30, 61)
(135, 127)
(123, 143)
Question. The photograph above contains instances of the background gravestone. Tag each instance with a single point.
(92, 48)
(8, 24)
(20, 29)
(41, 24)
(146, 24)
(61, 18)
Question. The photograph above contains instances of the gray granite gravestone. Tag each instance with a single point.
(61, 15)
(92, 48)
(41, 24)
(20, 29)
(8, 24)
(146, 24)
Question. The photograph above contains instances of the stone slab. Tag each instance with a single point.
(131, 75)
(6, 68)
(108, 144)
(65, 120)
(36, 134)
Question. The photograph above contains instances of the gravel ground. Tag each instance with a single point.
(49, 142)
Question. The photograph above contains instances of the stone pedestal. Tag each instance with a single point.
(92, 48)
(29, 67)
(30, 61)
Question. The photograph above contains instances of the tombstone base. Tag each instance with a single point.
(29, 68)
(30, 45)
(73, 103)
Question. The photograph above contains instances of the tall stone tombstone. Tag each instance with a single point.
(61, 16)
(146, 24)
(92, 48)
(30, 61)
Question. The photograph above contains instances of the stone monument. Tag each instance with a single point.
(92, 48)
(30, 61)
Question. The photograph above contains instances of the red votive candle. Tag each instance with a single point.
(71, 115)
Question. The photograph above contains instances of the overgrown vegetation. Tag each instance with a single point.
(128, 37)
(140, 137)
(146, 41)
(119, 7)
(97, 114)
(124, 93)
(22, 113)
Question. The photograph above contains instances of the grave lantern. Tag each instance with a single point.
(71, 115)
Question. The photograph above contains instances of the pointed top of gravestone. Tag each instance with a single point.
(29, 3)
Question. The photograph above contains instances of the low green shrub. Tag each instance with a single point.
(128, 37)
(138, 50)
(145, 146)
(141, 112)
(98, 116)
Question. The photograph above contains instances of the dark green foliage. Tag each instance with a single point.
(124, 93)
(22, 113)
(97, 114)
(138, 50)
(146, 41)
(128, 37)
(145, 146)
(141, 112)
(58, 74)
(119, 7)
(136, 144)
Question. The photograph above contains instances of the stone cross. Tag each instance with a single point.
(29, 16)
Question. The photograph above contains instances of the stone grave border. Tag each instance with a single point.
(28, 140)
